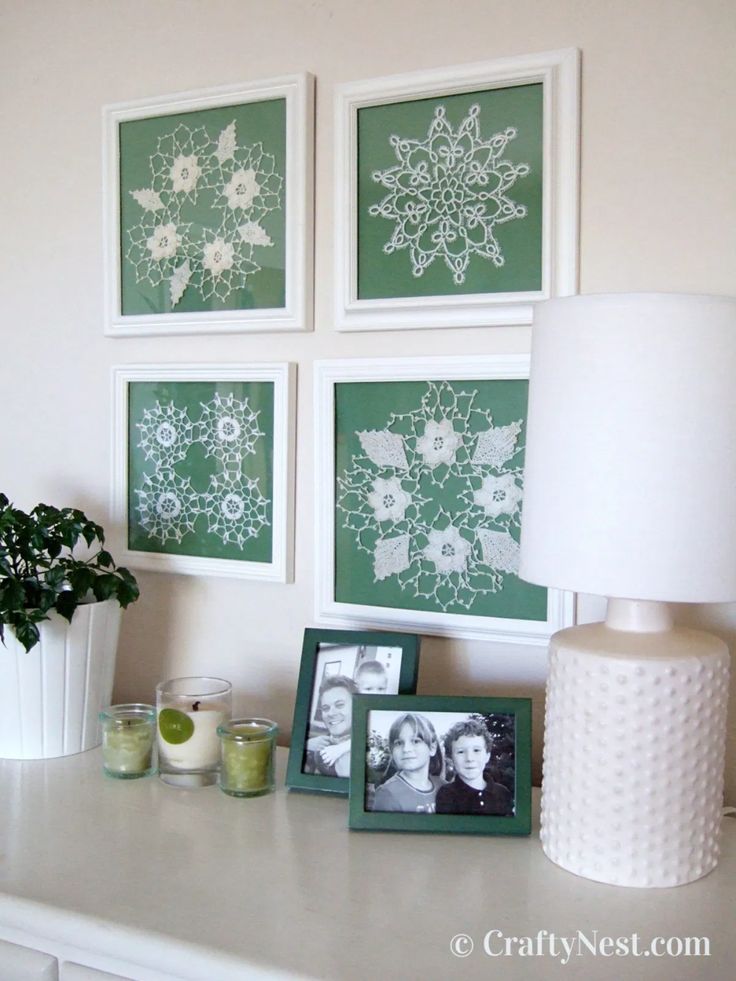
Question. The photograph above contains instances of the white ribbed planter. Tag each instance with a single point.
(51, 694)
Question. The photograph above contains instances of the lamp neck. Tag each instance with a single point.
(638, 616)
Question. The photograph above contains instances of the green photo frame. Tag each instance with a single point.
(420, 501)
(204, 468)
(458, 202)
(442, 764)
(208, 210)
(335, 666)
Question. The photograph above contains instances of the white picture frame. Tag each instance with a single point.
(559, 74)
(279, 567)
(296, 312)
(560, 606)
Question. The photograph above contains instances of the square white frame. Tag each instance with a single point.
(559, 73)
(296, 314)
(560, 604)
(283, 376)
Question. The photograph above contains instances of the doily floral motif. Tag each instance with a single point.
(213, 259)
(165, 434)
(167, 505)
(447, 194)
(433, 497)
(235, 509)
(228, 429)
(233, 506)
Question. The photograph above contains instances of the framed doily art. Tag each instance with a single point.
(419, 490)
(456, 193)
(203, 468)
(208, 210)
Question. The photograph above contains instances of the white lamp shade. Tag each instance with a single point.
(630, 466)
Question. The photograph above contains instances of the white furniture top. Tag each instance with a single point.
(152, 882)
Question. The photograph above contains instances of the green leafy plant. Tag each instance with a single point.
(39, 572)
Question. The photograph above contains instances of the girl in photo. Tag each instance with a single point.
(416, 754)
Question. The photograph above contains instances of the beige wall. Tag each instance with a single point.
(658, 212)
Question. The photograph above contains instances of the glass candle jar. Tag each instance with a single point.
(247, 756)
(127, 740)
(189, 712)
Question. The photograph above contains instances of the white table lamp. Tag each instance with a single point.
(630, 493)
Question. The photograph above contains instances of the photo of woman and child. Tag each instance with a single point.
(468, 770)
(341, 671)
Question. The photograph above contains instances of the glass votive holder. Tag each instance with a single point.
(127, 740)
(247, 756)
(189, 712)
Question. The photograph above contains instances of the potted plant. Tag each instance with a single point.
(59, 623)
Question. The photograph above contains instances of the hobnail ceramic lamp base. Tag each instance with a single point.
(634, 749)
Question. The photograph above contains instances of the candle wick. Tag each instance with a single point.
(195, 707)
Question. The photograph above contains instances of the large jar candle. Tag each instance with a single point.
(127, 740)
(189, 712)
(247, 756)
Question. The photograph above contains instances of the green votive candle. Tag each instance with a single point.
(247, 752)
(128, 733)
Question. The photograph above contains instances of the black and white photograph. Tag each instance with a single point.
(441, 763)
(336, 666)
(341, 671)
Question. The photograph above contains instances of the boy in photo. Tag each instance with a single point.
(371, 678)
(330, 756)
(468, 744)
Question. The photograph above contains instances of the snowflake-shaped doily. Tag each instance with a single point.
(447, 194)
(400, 498)
(228, 428)
(218, 257)
(165, 434)
(167, 505)
(231, 506)
(235, 509)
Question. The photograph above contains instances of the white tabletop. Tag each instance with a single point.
(201, 885)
